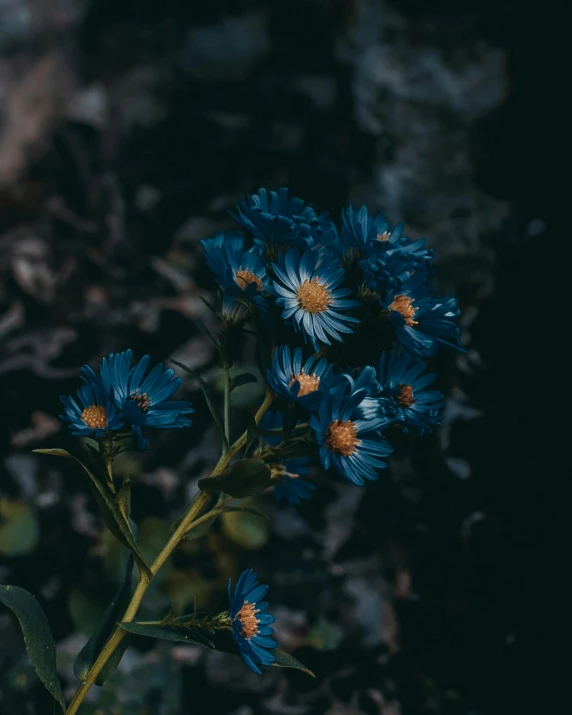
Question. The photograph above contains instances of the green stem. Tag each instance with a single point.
(192, 515)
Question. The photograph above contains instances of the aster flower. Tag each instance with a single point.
(307, 289)
(422, 323)
(232, 310)
(404, 394)
(250, 622)
(291, 489)
(349, 441)
(95, 414)
(303, 383)
(142, 400)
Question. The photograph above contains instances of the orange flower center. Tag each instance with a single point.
(308, 383)
(245, 278)
(247, 617)
(403, 304)
(142, 401)
(383, 236)
(406, 397)
(95, 417)
(313, 297)
(341, 437)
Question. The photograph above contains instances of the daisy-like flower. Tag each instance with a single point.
(307, 289)
(349, 441)
(232, 310)
(239, 271)
(250, 621)
(291, 489)
(142, 400)
(302, 382)
(422, 323)
(95, 414)
(403, 389)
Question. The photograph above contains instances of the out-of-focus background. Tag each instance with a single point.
(127, 130)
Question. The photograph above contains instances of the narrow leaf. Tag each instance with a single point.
(211, 404)
(113, 613)
(110, 512)
(38, 638)
(241, 479)
(242, 379)
(285, 660)
(177, 634)
(203, 328)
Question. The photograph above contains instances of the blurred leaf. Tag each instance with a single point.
(178, 634)
(241, 479)
(112, 516)
(325, 635)
(19, 530)
(211, 404)
(38, 638)
(85, 612)
(243, 379)
(113, 613)
(246, 529)
(285, 660)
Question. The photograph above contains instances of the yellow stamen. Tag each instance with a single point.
(406, 397)
(341, 437)
(247, 617)
(95, 417)
(245, 278)
(142, 401)
(404, 304)
(308, 383)
(313, 296)
(383, 236)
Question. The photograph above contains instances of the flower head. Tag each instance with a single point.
(250, 622)
(291, 489)
(142, 400)
(95, 414)
(350, 441)
(403, 388)
(301, 382)
(307, 289)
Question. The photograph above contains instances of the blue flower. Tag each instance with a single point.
(291, 489)
(232, 310)
(142, 400)
(240, 272)
(307, 289)
(403, 385)
(95, 414)
(422, 323)
(349, 441)
(250, 622)
(303, 383)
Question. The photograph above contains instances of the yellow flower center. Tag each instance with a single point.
(403, 304)
(142, 401)
(95, 417)
(406, 397)
(247, 617)
(245, 278)
(383, 236)
(308, 383)
(313, 296)
(341, 437)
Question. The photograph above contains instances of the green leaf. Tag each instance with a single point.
(88, 654)
(285, 660)
(247, 530)
(19, 532)
(176, 633)
(38, 638)
(110, 512)
(243, 379)
(211, 404)
(241, 479)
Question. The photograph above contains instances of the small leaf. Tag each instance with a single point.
(241, 479)
(211, 404)
(38, 638)
(110, 512)
(19, 530)
(285, 660)
(178, 634)
(88, 654)
(243, 379)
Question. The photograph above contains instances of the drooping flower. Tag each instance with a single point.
(250, 621)
(307, 289)
(291, 489)
(422, 323)
(302, 382)
(403, 385)
(142, 400)
(350, 441)
(95, 414)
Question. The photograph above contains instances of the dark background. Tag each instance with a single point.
(126, 132)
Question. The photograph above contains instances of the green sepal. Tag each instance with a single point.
(241, 479)
(177, 633)
(211, 404)
(38, 637)
(113, 613)
(285, 660)
(110, 512)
